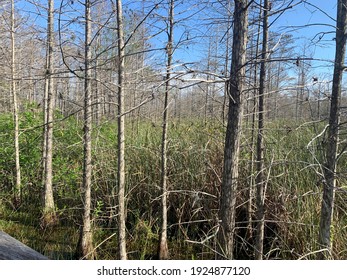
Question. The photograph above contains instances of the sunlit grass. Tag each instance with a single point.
(195, 153)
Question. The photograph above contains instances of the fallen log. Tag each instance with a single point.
(12, 249)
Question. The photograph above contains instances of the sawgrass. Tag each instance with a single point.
(195, 151)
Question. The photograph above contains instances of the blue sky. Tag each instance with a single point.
(312, 25)
(319, 23)
(319, 32)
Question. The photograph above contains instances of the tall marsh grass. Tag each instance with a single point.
(195, 153)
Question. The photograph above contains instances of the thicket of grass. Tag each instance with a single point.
(195, 167)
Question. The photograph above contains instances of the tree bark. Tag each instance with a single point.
(163, 246)
(329, 183)
(253, 101)
(225, 244)
(121, 135)
(226, 63)
(18, 186)
(49, 215)
(260, 178)
(85, 248)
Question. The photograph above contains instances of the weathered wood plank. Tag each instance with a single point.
(12, 249)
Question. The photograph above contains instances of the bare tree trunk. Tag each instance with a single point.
(301, 88)
(276, 91)
(260, 178)
(49, 216)
(233, 133)
(121, 136)
(163, 246)
(226, 64)
(18, 188)
(97, 108)
(319, 101)
(207, 88)
(253, 144)
(333, 134)
(85, 248)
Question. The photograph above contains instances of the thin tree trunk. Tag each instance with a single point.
(18, 188)
(260, 178)
(49, 216)
(226, 64)
(225, 245)
(207, 89)
(85, 248)
(44, 131)
(97, 99)
(163, 246)
(121, 135)
(252, 147)
(319, 101)
(276, 92)
(333, 132)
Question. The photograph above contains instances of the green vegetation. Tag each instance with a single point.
(195, 167)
